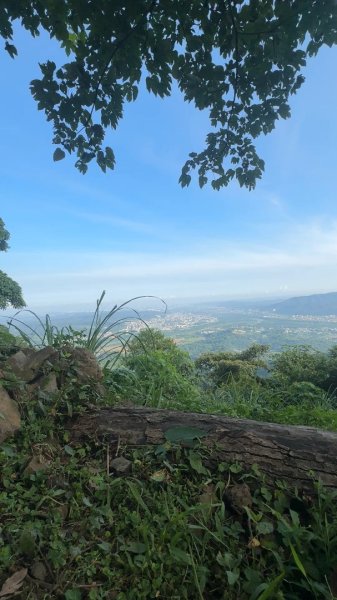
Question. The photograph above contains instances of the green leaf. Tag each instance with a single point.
(272, 587)
(181, 556)
(184, 434)
(27, 544)
(12, 51)
(196, 464)
(135, 548)
(73, 594)
(105, 546)
(232, 577)
(59, 154)
(298, 561)
(264, 527)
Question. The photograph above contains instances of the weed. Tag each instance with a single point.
(105, 336)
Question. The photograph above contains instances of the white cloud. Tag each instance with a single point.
(303, 259)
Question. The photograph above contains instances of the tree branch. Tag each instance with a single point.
(118, 45)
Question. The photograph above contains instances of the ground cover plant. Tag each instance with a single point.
(172, 525)
(294, 387)
(168, 528)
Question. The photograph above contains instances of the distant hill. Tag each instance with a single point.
(316, 304)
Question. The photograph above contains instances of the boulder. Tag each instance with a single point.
(37, 463)
(86, 369)
(28, 365)
(9, 415)
(49, 371)
(85, 366)
(46, 383)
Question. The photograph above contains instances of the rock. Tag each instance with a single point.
(46, 383)
(238, 496)
(49, 370)
(9, 415)
(86, 366)
(17, 361)
(37, 463)
(121, 465)
(86, 370)
(27, 366)
(63, 510)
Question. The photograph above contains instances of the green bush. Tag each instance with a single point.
(217, 368)
(155, 372)
(301, 363)
(9, 343)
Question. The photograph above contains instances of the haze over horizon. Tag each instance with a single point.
(134, 231)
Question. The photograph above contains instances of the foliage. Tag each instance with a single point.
(220, 367)
(166, 529)
(149, 339)
(301, 363)
(240, 61)
(162, 377)
(9, 343)
(105, 337)
(4, 237)
(10, 291)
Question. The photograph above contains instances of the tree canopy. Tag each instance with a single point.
(240, 60)
(10, 291)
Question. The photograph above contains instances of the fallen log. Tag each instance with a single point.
(293, 454)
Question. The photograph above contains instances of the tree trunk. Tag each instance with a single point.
(293, 454)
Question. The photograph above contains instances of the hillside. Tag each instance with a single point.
(316, 304)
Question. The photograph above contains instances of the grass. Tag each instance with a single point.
(164, 530)
(105, 336)
(76, 529)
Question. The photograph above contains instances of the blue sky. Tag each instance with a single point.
(134, 231)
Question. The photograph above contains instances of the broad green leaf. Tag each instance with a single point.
(264, 527)
(196, 464)
(73, 594)
(268, 593)
(105, 546)
(59, 154)
(184, 434)
(181, 556)
(232, 577)
(135, 548)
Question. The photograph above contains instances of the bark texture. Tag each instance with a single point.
(293, 454)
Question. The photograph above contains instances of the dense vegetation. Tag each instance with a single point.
(10, 291)
(167, 528)
(240, 61)
(297, 386)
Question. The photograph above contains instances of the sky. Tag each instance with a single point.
(133, 231)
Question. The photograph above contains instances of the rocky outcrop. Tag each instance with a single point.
(29, 372)
(27, 364)
(9, 415)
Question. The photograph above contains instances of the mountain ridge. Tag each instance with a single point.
(314, 304)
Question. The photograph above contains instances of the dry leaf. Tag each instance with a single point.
(161, 475)
(13, 584)
(254, 543)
